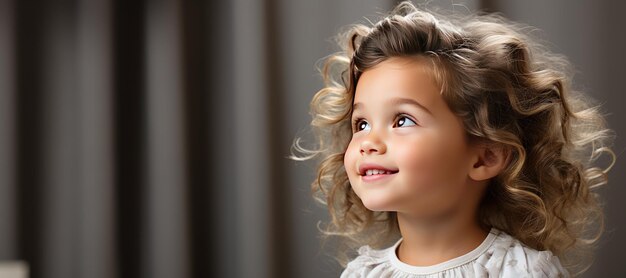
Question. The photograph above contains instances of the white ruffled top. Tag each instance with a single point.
(499, 255)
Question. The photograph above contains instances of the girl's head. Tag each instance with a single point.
(460, 113)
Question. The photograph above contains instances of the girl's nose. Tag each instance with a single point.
(372, 146)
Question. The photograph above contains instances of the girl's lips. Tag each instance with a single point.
(371, 166)
(376, 172)
(377, 177)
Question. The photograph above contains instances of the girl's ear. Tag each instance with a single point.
(488, 161)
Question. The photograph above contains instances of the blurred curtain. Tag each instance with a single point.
(115, 118)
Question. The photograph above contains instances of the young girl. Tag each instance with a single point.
(456, 148)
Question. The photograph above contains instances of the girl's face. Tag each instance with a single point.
(407, 152)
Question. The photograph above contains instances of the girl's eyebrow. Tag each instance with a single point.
(397, 101)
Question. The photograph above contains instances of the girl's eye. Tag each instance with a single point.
(404, 121)
(361, 125)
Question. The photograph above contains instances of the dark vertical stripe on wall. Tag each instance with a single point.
(194, 48)
(129, 99)
(279, 150)
(221, 188)
(29, 37)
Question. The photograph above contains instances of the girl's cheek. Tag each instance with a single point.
(422, 161)
(349, 159)
(419, 163)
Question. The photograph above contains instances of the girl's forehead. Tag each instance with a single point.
(398, 72)
(397, 78)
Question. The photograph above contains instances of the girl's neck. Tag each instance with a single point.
(431, 242)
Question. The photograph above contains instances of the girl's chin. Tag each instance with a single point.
(377, 205)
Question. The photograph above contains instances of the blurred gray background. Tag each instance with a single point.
(149, 138)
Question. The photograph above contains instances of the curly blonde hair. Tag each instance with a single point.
(509, 90)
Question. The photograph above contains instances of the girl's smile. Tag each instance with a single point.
(370, 172)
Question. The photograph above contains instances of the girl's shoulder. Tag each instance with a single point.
(500, 255)
(509, 257)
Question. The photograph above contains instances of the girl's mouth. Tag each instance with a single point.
(373, 172)
(371, 169)
(377, 175)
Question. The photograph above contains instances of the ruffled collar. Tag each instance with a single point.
(452, 263)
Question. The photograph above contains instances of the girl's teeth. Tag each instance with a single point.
(376, 172)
